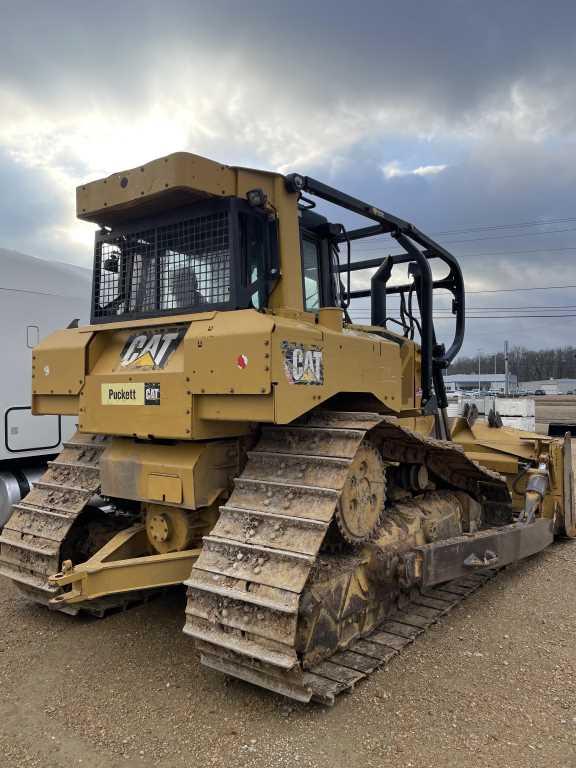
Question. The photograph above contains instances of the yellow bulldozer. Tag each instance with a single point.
(238, 433)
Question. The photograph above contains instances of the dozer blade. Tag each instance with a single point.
(450, 559)
(569, 489)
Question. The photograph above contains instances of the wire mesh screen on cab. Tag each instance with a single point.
(171, 267)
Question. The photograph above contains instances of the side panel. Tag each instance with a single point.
(310, 364)
(58, 363)
(229, 354)
(143, 396)
(212, 377)
(225, 354)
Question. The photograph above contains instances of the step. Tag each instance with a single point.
(312, 471)
(303, 440)
(263, 565)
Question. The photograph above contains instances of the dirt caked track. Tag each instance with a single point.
(491, 683)
(246, 590)
(31, 542)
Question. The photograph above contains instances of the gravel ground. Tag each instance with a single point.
(492, 684)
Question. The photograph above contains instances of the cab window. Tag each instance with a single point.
(311, 274)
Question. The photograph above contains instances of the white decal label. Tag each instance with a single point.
(123, 394)
(150, 350)
(136, 393)
(303, 364)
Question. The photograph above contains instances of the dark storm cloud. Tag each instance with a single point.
(488, 183)
(447, 57)
(343, 91)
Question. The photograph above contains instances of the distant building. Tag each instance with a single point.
(550, 386)
(493, 382)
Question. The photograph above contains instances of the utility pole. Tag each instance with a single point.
(479, 374)
(506, 378)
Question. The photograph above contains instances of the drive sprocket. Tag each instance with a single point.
(360, 511)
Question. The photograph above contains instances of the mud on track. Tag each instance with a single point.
(492, 683)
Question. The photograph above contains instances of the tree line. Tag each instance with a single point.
(526, 364)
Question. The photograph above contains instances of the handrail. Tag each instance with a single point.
(419, 250)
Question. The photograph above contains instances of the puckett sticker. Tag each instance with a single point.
(136, 393)
(123, 394)
(303, 364)
(149, 350)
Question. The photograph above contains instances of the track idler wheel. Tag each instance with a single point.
(360, 512)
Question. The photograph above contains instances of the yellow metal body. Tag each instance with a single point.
(180, 429)
(124, 564)
(205, 392)
(191, 475)
(503, 450)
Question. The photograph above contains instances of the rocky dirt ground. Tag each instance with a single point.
(493, 684)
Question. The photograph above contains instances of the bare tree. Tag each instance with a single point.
(526, 364)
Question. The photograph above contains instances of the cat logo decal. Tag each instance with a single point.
(303, 364)
(150, 350)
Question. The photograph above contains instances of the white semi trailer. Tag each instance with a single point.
(36, 297)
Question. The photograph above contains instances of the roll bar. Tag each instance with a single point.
(419, 249)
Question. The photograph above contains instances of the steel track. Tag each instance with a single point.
(32, 540)
(244, 590)
(342, 671)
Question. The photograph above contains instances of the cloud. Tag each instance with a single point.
(479, 99)
(394, 170)
(263, 82)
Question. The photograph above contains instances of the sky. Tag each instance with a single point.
(458, 116)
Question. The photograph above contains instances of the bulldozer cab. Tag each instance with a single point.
(186, 235)
(211, 256)
(214, 255)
